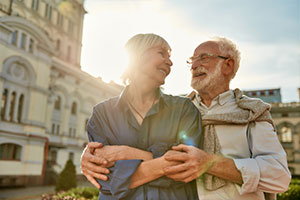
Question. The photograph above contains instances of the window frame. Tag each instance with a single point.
(14, 153)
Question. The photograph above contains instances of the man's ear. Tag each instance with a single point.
(228, 67)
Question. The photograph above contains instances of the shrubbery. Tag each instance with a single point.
(293, 193)
(82, 193)
(85, 193)
(67, 177)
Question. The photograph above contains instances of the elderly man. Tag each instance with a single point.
(239, 136)
(241, 157)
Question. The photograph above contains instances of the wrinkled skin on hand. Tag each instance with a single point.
(195, 162)
(92, 166)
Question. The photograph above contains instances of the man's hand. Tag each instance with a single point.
(195, 162)
(92, 166)
(112, 153)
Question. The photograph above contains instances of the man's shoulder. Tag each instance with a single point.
(255, 102)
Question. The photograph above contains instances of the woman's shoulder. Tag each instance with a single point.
(175, 100)
(106, 104)
(183, 103)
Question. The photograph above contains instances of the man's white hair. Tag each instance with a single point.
(229, 48)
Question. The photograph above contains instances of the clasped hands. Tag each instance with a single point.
(182, 163)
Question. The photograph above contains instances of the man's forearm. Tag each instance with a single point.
(149, 170)
(113, 153)
(225, 168)
(134, 153)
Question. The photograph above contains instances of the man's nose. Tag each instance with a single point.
(195, 65)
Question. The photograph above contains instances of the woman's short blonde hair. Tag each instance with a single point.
(136, 47)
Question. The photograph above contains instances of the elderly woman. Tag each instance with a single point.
(139, 127)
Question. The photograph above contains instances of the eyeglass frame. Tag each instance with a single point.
(198, 58)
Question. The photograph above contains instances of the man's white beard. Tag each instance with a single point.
(210, 82)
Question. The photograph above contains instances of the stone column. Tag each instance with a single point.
(16, 108)
(296, 146)
(7, 105)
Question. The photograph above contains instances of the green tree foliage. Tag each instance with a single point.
(79, 193)
(293, 193)
(67, 177)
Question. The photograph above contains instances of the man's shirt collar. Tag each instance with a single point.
(221, 99)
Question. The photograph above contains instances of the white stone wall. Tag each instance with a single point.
(41, 73)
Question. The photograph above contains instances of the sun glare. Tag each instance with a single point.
(112, 25)
(109, 24)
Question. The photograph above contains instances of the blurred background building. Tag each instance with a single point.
(287, 119)
(268, 95)
(46, 99)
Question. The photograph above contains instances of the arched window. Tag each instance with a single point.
(14, 38)
(86, 123)
(12, 107)
(20, 107)
(70, 132)
(69, 53)
(31, 45)
(292, 170)
(286, 134)
(57, 129)
(57, 103)
(4, 103)
(20, 81)
(58, 45)
(23, 41)
(10, 151)
(74, 132)
(53, 157)
(71, 156)
(74, 108)
(35, 4)
(53, 129)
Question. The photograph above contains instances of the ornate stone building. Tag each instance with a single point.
(46, 99)
(287, 119)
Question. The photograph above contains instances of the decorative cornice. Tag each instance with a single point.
(31, 28)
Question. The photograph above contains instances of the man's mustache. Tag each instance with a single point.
(199, 70)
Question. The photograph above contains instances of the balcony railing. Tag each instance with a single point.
(284, 105)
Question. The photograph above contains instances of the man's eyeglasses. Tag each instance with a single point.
(203, 58)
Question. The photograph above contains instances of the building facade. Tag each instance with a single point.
(286, 117)
(46, 99)
(267, 95)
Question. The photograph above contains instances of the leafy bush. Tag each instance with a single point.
(293, 193)
(79, 193)
(82, 193)
(67, 177)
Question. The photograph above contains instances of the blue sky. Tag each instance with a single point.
(266, 31)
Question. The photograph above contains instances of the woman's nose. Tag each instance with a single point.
(169, 62)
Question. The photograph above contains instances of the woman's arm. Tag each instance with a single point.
(151, 170)
(94, 163)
